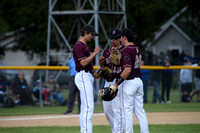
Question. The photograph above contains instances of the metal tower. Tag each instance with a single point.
(94, 12)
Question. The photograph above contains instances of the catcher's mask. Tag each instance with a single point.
(104, 94)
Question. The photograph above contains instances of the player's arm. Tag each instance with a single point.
(89, 59)
(123, 76)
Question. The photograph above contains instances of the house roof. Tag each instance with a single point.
(8, 40)
(166, 26)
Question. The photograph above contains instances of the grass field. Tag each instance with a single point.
(176, 106)
(190, 128)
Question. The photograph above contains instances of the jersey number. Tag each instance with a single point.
(137, 61)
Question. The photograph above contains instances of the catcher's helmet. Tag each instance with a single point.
(104, 94)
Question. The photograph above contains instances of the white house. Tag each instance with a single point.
(16, 58)
(171, 40)
(20, 58)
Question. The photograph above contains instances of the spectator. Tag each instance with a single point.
(197, 85)
(73, 90)
(166, 81)
(21, 90)
(36, 91)
(145, 74)
(186, 82)
(3, 90)
(156, 79)
(48, 96)
(54, 88)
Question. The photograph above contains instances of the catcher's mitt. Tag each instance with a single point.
(105, 73)
(115, 59)
(104, 94)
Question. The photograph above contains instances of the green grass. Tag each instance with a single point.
(176, 106)
(190, 128)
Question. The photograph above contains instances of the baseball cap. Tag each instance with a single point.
(90, 29)
(127, 32)
(38, 81)
(166, 57)
(115, 34)
(159, 60)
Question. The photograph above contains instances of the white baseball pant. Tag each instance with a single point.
(113, 111)
(132, 96)
(84, 82)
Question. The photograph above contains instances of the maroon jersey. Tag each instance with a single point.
(116, 70)
(80, 52)
(131, 57)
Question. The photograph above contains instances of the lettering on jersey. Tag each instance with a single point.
(116, 69)
(138, 61)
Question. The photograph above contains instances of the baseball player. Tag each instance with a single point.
(132, 86)
(112, 109)
(84, 77)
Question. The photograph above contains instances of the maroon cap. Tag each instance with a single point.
(115, 34)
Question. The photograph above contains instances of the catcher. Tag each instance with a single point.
(110, 71)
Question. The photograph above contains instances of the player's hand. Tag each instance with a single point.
(113, 50)
(97, 50)
(113, 88)
(101, 60)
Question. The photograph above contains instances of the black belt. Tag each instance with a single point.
(87, 71)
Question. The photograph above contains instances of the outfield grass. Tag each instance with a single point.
(190, 128)
(176, 106)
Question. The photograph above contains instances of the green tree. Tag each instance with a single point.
(144, 16)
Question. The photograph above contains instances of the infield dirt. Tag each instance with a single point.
(98, 119)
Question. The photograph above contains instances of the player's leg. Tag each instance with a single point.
(138, 106)
(107, 106)
(84, 82)
(127, 102)
(117, 109)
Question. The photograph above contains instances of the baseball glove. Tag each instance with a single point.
(105, 73)
(104, 94)
(114, 59)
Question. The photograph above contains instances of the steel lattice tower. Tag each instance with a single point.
(94, 12)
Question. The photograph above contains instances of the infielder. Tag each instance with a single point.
(84, 77)
(112, 109)
(132, 86)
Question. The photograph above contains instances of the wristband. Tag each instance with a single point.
(119, 81)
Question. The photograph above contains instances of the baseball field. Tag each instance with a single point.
(163, 118)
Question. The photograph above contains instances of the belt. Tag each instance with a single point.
(86, 71)
(133, 78)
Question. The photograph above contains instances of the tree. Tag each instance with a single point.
(144, 16)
